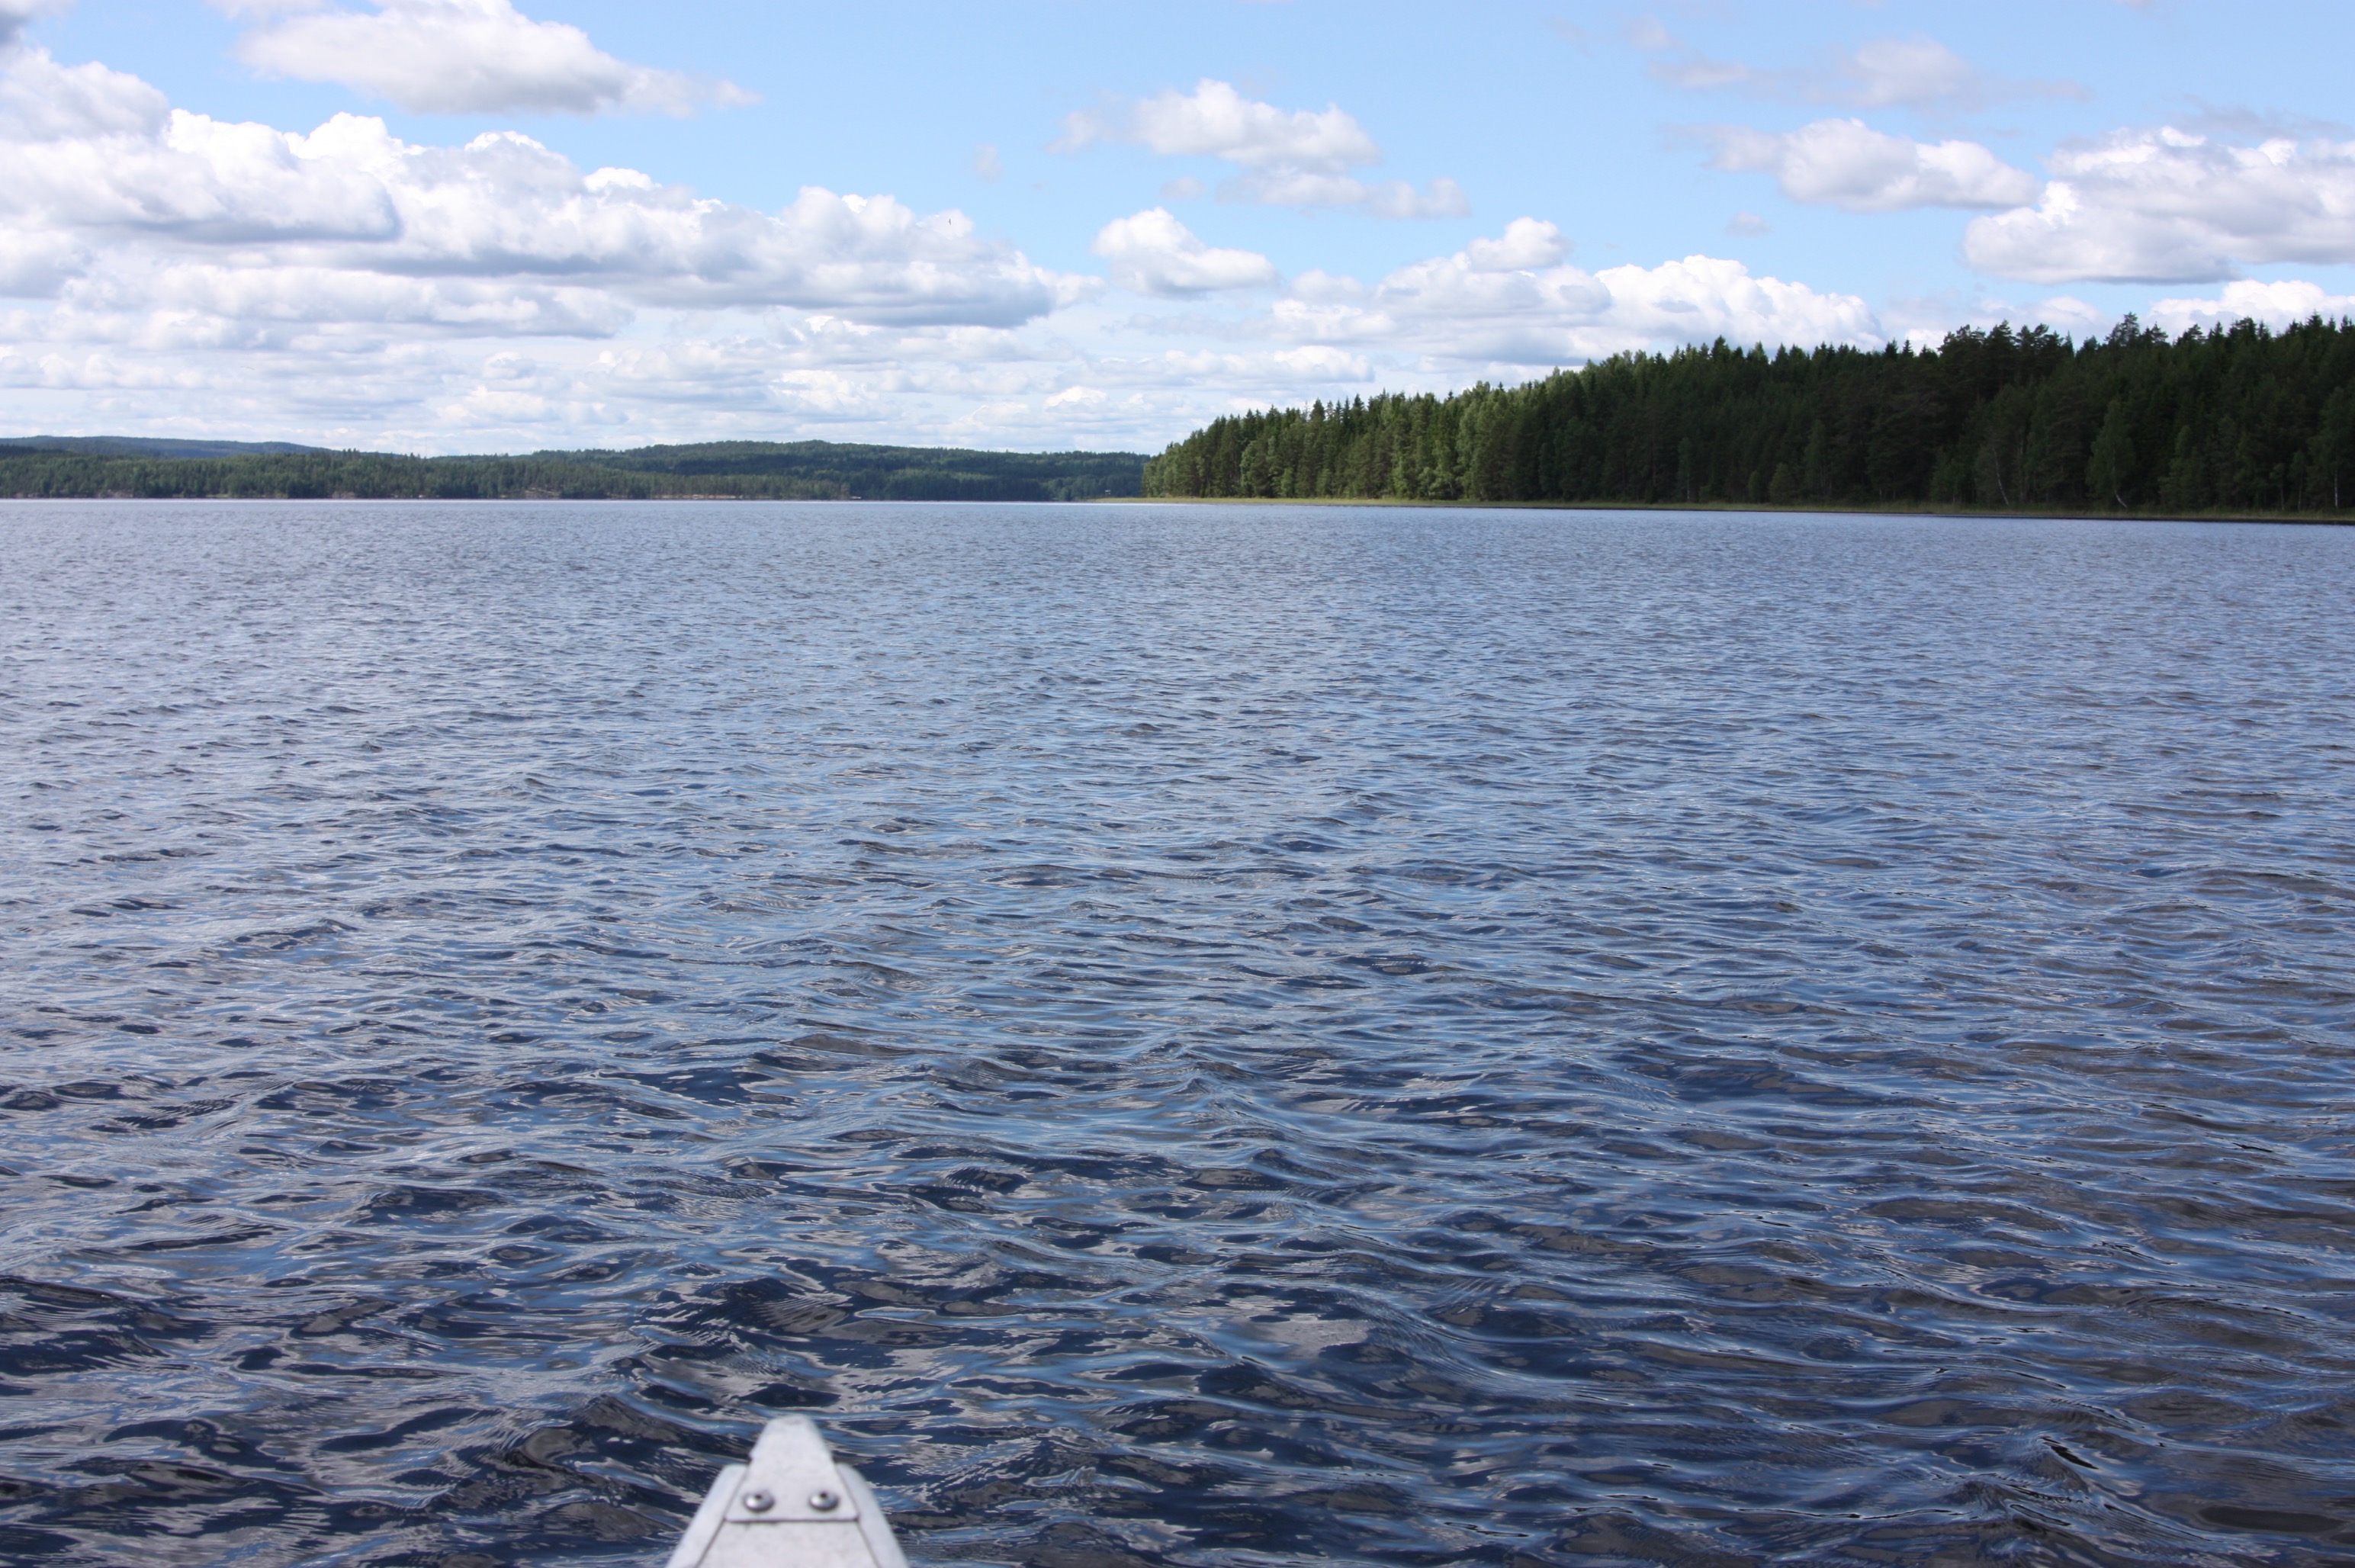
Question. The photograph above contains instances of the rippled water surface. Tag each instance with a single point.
(1181, 1035)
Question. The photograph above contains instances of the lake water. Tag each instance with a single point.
(1181, 1035)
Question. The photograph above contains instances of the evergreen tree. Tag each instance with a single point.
(2237, 418)
(2111, 463)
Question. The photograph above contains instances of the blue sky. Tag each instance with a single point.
(384, 222)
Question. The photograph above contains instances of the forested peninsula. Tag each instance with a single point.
(804, 470)
(2239, 420)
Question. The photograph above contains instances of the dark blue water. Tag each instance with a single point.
(1181, 1035)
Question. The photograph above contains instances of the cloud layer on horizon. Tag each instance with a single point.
(346, 281)
(172, 271)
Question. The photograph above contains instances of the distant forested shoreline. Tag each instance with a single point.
(2240, 420)
(808, 470)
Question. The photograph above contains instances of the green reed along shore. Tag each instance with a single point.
(2239, 418)
(804, 470)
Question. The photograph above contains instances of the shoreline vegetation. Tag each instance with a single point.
(1769, 508)
(2235, 423)
(132, 468)
(2238, 421)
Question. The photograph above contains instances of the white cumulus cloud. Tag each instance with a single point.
(469, 56)
(35, 265)
(1846, 163)
(2278, 304)
(166, 272)
(1289, 158)
(2167, 206)
(1526, 245)
(1513, 300)
(15, 15)
(94, 162)
(1153, 253)
(1215, 120)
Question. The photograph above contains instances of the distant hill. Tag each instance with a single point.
(892, 473)
(804, 470)
(147, 445)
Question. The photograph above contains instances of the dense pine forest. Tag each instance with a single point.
(2237, 419)
(808, 470)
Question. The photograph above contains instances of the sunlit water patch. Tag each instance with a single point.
(1180, 1035)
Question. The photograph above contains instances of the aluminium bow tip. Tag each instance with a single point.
(789, 1505)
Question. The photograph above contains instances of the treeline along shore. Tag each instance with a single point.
(809, 470)
(2237, 420)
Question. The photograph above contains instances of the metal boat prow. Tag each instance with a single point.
(789, 1505)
